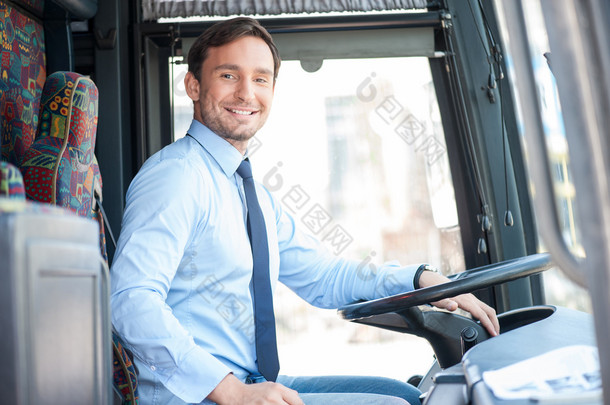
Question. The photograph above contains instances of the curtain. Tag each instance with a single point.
(155, 9)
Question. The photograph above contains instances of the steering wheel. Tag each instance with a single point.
(445, 331)
(465, 282)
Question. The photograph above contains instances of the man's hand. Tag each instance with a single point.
(231, 391)
(468, 302)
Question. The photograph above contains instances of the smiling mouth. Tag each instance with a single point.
(241, 112)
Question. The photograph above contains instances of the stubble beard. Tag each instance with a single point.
(215, 123)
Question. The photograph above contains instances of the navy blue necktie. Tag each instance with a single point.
(264, 320)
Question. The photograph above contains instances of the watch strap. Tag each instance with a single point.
(419, 271)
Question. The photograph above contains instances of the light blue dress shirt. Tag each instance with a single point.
(181, 292)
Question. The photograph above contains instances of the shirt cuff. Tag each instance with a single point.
(396, 279)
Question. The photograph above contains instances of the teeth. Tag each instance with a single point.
(241, 112)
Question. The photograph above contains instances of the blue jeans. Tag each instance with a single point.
(348, 390)
(329, 390)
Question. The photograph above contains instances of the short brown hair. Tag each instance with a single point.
(225, 32)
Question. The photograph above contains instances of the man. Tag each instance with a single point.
(186, 279)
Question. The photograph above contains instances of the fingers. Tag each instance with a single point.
(468, 302)
(478, 309)
(269, 393)
(491, 313)
(235, 392)
(292, 397)
(481, 311)
(447, 303)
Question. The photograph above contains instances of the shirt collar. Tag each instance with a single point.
(225, 154)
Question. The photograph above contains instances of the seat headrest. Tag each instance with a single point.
(60, 166)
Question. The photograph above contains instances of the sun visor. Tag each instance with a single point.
(155, 9)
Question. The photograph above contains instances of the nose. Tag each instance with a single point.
(244, 90)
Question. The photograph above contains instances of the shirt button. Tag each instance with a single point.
(153, 368)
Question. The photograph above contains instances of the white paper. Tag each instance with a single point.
(565, 372)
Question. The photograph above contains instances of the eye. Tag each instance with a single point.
(227, 76)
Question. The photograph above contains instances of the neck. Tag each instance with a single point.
(240, 145)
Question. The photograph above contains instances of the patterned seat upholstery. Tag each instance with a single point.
(125, 374)
(22, 76)
(11, 182)
(50, 136)
(60, 166)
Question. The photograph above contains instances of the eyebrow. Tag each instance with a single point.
(228, 66)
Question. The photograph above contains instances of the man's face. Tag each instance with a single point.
(236, 89)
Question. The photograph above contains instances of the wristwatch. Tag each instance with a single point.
(420, 270)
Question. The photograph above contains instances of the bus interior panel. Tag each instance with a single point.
(468, 134)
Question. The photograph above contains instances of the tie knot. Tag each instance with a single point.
(244, 169)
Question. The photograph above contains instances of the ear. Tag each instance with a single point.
(191, 84)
